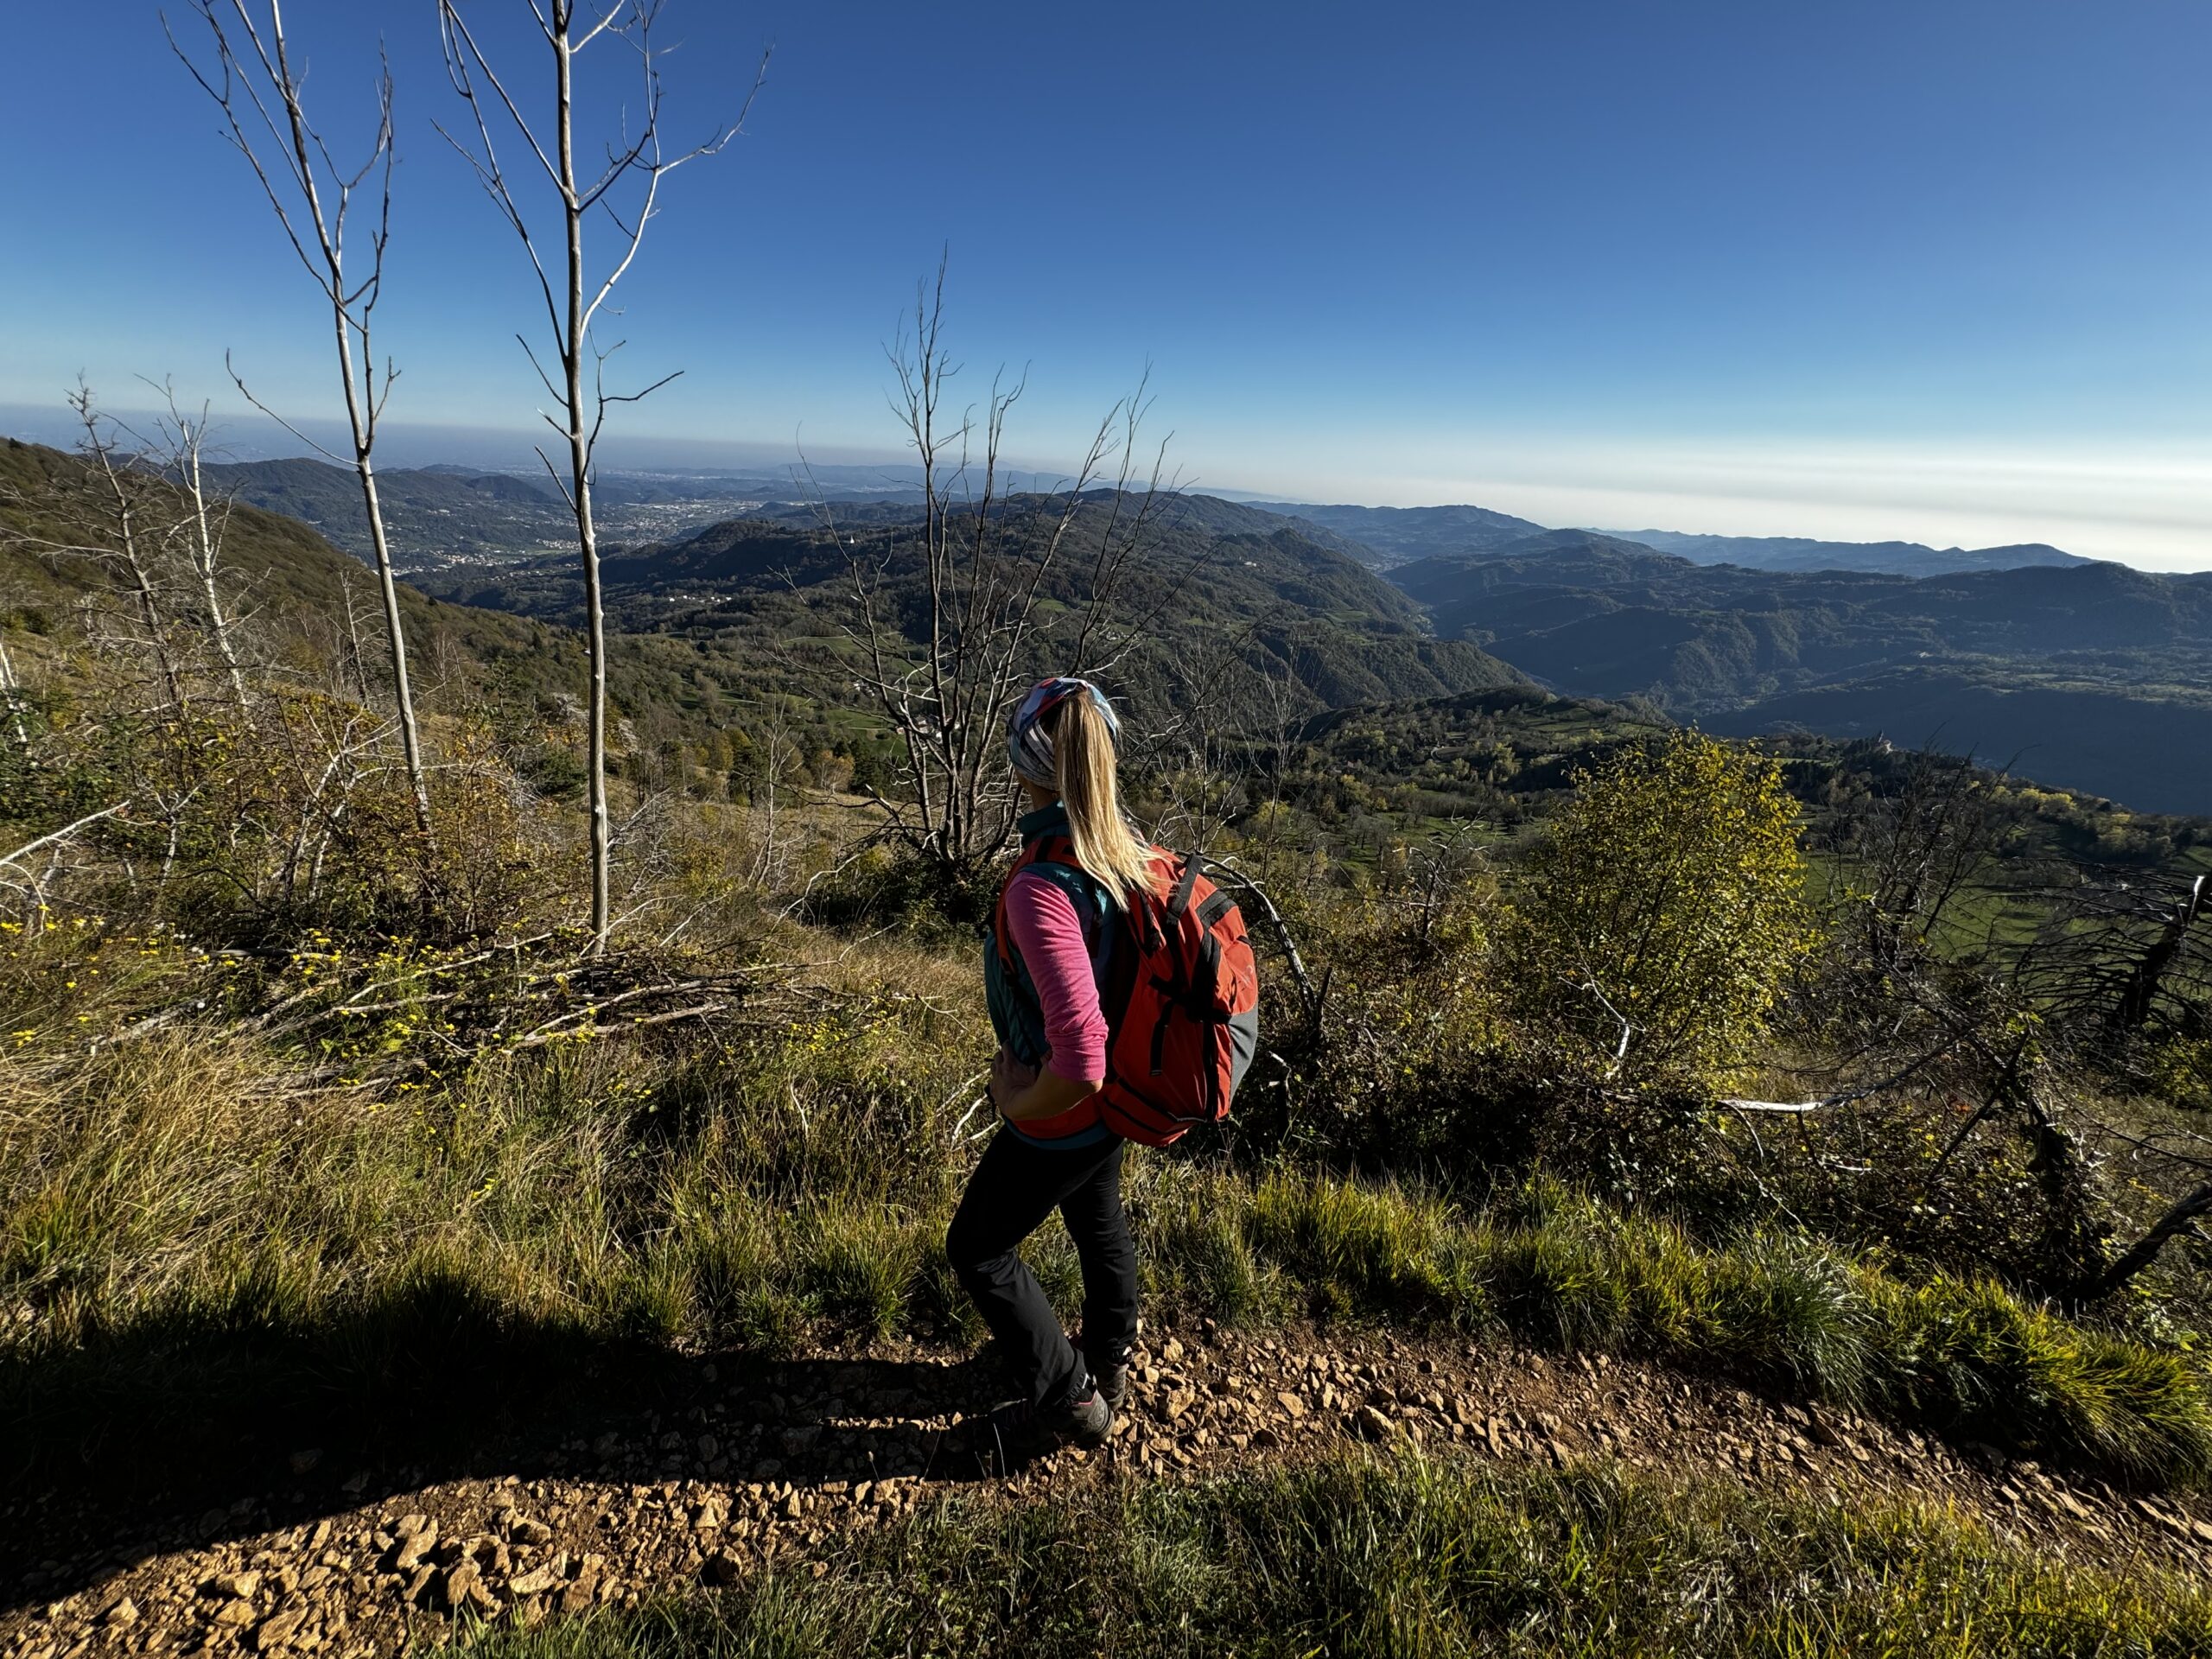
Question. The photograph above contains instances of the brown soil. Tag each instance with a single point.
(741, 1461)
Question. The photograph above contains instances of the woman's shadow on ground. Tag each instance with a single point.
(166, 1435)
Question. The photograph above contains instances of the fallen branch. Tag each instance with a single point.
(508, 947)
(586, 1032)
(63, 833)
(2180, 1218)
(1849, 1095)
(494, 999)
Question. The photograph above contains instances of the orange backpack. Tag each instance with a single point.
(1181, 999)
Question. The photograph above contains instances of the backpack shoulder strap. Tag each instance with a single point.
(1179, 901)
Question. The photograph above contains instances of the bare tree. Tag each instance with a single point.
(1227, 721)
(2146, 975)
(349, 664)
(184, 438)
(780, 757)
(317, 235)
(1916, 847)
(626, 191)
(986, 556)
(143, 517)
(35, 883)
(11, 694)
(105, 515)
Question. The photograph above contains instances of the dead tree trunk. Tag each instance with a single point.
(640, 163)
(11, 694)
(204, 546)
(302, 152)
(572, 362)
(2179, 1219)
(2133, 1010)
(100, 451)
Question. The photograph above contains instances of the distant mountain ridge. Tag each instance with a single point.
(1208, 514)
(2071, 668)
(1399, 535)
(1545, 594)
(445, 513)
(1403, 535)
(1802, 553)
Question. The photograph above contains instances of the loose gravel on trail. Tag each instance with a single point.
(769, 1460)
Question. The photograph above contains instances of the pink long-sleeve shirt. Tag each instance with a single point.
(1050, 937)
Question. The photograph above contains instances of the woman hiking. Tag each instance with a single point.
(1058, 925)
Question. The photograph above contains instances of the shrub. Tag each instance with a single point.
(1658, 924)
(2181, 1072)
(885, 885)
(1407, 1025)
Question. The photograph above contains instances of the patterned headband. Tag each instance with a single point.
(1030, 746)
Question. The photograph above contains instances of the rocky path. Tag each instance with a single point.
(751, 1461)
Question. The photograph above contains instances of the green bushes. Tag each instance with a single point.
(251, 825)
(860, 1266)
(1409, 1557)
(1360, 1250)
(885, 888)
(1968, 1352)
(1389, 1055)
(1198, 1252)
(1659, 922)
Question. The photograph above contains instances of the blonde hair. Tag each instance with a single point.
(1083, 756)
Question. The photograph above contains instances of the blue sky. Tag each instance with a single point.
(1856, 269)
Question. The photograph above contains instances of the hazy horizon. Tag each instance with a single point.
(1779, 496)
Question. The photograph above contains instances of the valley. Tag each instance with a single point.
(2080, 675)
(2087, 675)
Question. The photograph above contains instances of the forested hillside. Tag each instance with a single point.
(64, 579)
(2089, 676)
(1222, 592)
(58, 546)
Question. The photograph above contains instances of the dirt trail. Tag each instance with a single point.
(751, 1460)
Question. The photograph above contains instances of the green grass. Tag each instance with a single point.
(1415, 1558)
(1558, 1269)
(182, 1244)
(184, 1234)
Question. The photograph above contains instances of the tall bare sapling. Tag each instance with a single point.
(625, 193)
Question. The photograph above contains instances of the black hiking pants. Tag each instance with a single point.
(1016, 1186)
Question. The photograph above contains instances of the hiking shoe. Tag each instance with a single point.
(1111, 1379)
(1020, 1431)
